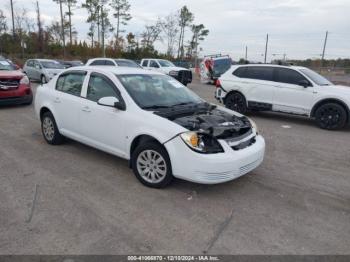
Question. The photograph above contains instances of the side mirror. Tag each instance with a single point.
(111, 101)
(17, 67)
(304, 83)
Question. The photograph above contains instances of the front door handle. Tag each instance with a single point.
(86, 109)
(57, 100)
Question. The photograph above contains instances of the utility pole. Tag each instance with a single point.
(13, 20)
(103, 32)
(62, 29)
(196, 57)
(267, 41)
(324, 48)
(246, 53)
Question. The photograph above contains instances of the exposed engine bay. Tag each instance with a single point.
(212, 121)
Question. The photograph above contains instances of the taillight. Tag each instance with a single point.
(217, 83)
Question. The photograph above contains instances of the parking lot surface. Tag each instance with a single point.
(73, 199)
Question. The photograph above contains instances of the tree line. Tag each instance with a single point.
(107, 36)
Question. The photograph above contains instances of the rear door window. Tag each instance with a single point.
(259, 73)
(153, 64)
(288, 76)
(145, 63)
(71, 83)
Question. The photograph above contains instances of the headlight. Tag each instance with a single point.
(202, 143)
(173, 73)
(254, 125)
(24, 80)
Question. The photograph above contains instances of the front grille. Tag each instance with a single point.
(185, 76)
(244, 144)
(249, 167)
(8, 84)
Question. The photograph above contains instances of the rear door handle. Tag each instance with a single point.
(57, 100)
(86, 109)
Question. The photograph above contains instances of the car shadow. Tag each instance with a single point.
(293, 119)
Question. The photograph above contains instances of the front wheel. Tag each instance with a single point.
(43, 79)
(330, 116)
(236, 102)
(151, 165)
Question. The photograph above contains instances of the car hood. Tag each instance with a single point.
(173, 68)
(336, 90)
(11, 74)
(212, 120)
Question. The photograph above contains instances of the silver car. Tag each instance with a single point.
(42, 69)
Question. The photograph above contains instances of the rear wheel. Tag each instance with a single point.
(236, 102)
(331, 116)
(50, 130)
(151, 165)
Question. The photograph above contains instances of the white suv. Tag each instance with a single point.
(288, 89)
(162, 127)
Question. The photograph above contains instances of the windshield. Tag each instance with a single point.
(4, 65)
(155, 91)
(165, 63)
(54, 65)
(127, 63)
(221, 66)
(316, 78)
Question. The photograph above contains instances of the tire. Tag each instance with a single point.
(43, 79)
(146, 169)
(30, 101)
(50, 131)
(331, 116)
(236, 102)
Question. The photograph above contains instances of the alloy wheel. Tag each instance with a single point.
(329, 117)
(236, 102)
(151, 166)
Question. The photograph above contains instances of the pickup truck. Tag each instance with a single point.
(181, 74)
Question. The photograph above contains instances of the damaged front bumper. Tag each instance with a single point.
(214, 168)
(220, 94)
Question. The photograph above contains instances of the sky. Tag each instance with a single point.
(296, 28)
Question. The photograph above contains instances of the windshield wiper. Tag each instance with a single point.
(183, 103)
(155, 107)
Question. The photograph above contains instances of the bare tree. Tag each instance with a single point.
(23, 24)
(170, 29)
(40, 28)
(70, 5)
(62, 26)
(3, 26)
(13, 19)
(3, 23)
(122, 8)
(151, 34)
(92, 7)
(55, 31)
(185, 19)
(199, 32)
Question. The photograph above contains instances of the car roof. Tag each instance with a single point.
(45, 60)
(271, 65)
(118, 70)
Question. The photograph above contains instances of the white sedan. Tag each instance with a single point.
(163, 128)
